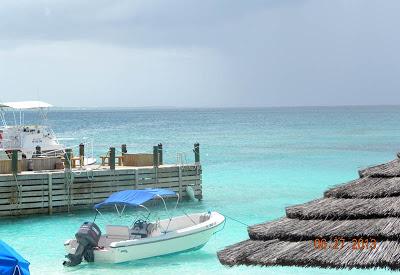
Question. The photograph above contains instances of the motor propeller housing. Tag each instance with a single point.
(88, 237)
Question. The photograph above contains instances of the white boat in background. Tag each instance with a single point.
(25, 138)
(144, 238)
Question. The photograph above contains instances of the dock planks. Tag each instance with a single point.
(61, 191)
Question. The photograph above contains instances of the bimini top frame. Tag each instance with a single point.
(23, 105)
(137, 198)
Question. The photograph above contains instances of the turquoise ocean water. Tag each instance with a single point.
(255, 163)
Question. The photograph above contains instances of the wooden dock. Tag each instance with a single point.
(66, 190)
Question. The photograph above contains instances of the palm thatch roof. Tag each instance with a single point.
(367, 187)
(390, 169)
(301, 230)
(331, 208)
(366, 208)
(277, 252)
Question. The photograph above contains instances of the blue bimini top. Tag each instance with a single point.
(134, 197)
(11, 263)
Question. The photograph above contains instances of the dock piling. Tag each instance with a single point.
(111, 160)
(68, 157)
(50, 183)
(196, 153)
(124, 150)
(38, 152)
(160, 154)
(155, 156)
(14, 162)
(81, 154)
(136, 178)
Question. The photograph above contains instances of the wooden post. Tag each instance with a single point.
(68, 157)
(81, 154)
(160, 154)
(155, 162)
(111, 160)
(14, 162)
(198, 182)
(38, 152)
(196, 153)
(155, 156)
(136, 178)
(50, 183)
(124, 150)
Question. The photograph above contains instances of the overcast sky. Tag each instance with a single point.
(204, 53)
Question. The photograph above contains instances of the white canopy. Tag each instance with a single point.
(26, 105)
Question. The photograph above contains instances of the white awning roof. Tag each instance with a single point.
(26, 105)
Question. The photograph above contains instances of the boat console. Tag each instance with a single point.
(139, 229)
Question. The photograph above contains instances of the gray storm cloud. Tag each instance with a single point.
(200, 53)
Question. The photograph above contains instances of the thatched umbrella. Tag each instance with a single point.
(366, 209)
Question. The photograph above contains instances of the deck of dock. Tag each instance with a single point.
(66, 190)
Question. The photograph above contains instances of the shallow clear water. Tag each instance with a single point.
(255, 163)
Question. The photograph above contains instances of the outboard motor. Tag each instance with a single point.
(88, 237)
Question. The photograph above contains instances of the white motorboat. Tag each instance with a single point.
(17, 135)
(25, 138)
(143, 239)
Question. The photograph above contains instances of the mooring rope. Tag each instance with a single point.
(223, 227)
(69, 177)
(69, 180)
(19, 196)
(90, 178)
(233, 219)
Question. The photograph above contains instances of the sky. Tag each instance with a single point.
(225, 53)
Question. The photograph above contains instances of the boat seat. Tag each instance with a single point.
(152, 228)
(117, 232)
(204, 218)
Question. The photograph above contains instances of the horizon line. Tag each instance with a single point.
(225, 107)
